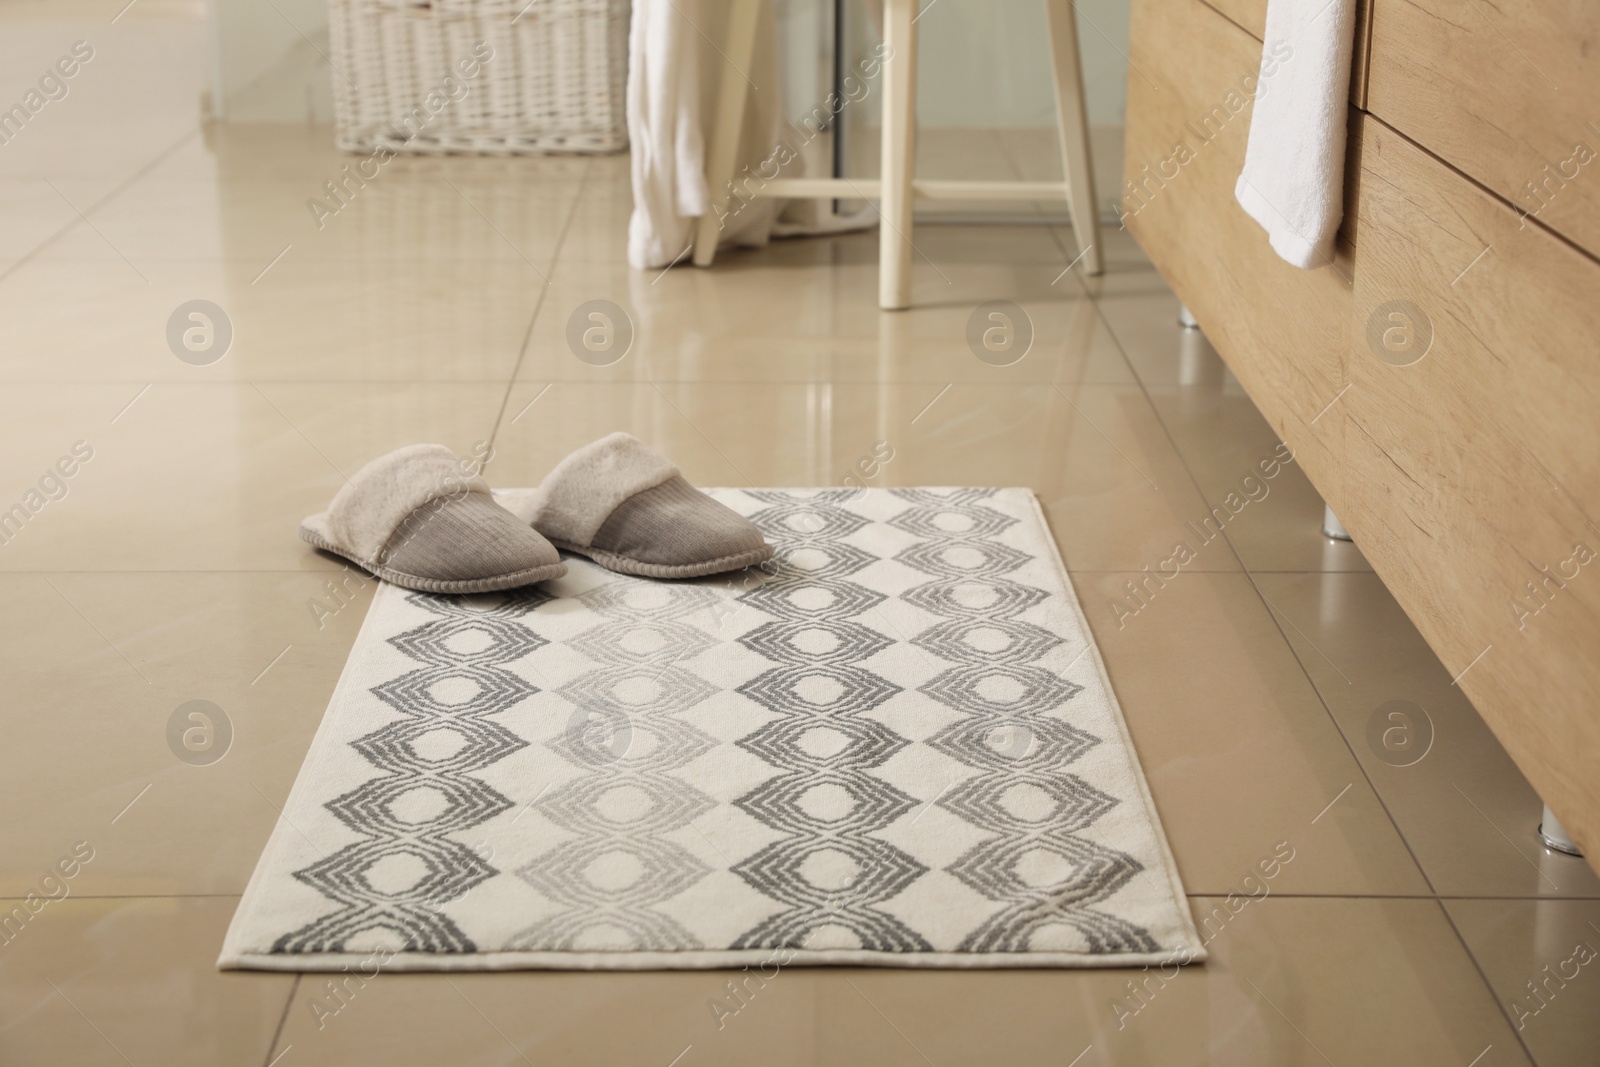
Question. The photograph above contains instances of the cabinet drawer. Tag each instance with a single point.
(1281, 330)
(1252, 16)
(1471, 477)
(1508, 93)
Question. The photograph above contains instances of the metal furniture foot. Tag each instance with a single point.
(1555, 836)
(1332, 527)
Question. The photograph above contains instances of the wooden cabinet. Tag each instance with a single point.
(1460, 337)
(1508, 93)
(1472, 476)
(1182, 158)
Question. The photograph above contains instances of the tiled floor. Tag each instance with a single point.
(1419, 923)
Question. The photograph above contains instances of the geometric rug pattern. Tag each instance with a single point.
(894, 744)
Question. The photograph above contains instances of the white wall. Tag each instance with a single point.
(983, 63)
(987, 62)
(251, 40)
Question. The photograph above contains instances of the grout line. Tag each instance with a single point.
(1382, 803)
(115, 191)
(283, 1018)
(1278, 625)
(1514, 846)
(1483, 977)
(90, 1021)
(538, 308)
(1286, 1019)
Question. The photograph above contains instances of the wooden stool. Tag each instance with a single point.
(898, 186)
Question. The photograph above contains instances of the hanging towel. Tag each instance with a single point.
(664, 133)
(675, 72)
(1293, 178)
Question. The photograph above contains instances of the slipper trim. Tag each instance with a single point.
(579, 495)
(368, 509)
(625, 565)
(437, 585)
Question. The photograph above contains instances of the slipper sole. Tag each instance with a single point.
(623, 565)
(438, 585)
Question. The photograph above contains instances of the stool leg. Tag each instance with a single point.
(1074, 124)
(723, 153)
(899, 153)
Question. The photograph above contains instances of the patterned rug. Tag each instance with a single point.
(894, 745)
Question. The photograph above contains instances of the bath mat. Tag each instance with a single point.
(894, 745)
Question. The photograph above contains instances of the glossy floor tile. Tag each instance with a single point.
(1237, 708)
(1252, 1004)
(1452, 790)
(179, 707)
(170, 644)
(116, 981)
(1541, 958)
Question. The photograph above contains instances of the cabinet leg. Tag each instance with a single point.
(1555, 836)
(1332, 527)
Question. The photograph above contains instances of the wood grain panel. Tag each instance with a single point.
(1472, 477)
(1184, 150)
(1507, 92)
(1251, 16)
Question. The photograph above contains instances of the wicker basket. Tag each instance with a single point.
(554, 82)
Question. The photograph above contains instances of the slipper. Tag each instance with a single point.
(418, 518)
(625, 506)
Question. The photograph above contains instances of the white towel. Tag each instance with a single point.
(1293, 178)
(675, 73)
(664, 132)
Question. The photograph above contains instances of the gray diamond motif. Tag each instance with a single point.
(1050, 744)
(995, 599)
(845, 690)
(1076, 803)
(868, 744)
(1030, 689)
(645, 642)
(807, 601)
(580, 805)
(834, 643)
(638, 690)
(496, 690)
(964, 640)
(566, 874)
(430, 642)
(939, 523)
(780, 801)
(954, 559)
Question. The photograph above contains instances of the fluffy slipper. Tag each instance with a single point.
(416, 517)
(625, 506)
